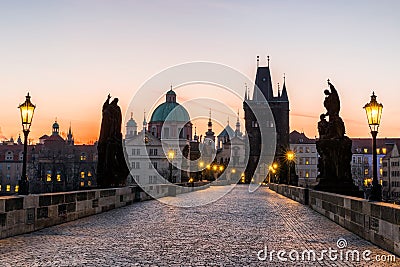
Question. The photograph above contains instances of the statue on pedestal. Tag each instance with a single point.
(111, 166)
(334, 149)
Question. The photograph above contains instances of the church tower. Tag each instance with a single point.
(210, 134)
(279, 106)
(70, 137)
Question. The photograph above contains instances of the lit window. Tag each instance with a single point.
(366, 171)
(89, 183)
(307, 162)
(82, 184)
(58, 177)
(381, 171)
(365, 150)
(380, 160)
(378, 151)
(89, 174)
(83, 156)
(82, 175)
(48, 177)
(0, 187)
(16, 188)
(8, 188)
(384, 150)
(307, 174)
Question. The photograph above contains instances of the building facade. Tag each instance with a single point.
(306, 158)
(361, 164)
(54, 164)
(391, 175)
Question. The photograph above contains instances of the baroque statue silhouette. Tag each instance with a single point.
(111, 166)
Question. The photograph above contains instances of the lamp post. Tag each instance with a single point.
(373, 110)
(171, 156)
(27, 109)
(289, 158)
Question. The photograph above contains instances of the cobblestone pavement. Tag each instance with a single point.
(229, 232)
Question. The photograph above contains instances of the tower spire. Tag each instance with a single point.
(258, 61)
(144, 121)
(284, 96)
(279, 91)
(246, 95)
(268, 61)
(210, 133)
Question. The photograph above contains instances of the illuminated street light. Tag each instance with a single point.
(373, 110)
(289, 158)
(27, 109)
(171, 156)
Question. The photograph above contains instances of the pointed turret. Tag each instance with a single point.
(210, 134)
(144, 122)
(237, 130)
(70, 138)
(264, 84)
(284, 96)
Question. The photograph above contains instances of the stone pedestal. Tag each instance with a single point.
(334, 166)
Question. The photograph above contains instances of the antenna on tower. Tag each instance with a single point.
(258, 61)
(268, 61)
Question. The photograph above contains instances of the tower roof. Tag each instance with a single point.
(170, 110)
(284, 96)
(228, 131)
(264, 83)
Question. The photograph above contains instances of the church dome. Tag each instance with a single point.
(131, 123)
(55, 125)
(170, 110)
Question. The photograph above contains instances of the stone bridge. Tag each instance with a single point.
(241, 229)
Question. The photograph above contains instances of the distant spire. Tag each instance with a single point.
(268, 61)
(210, 133)
(196, 138)
(258, 61)
(279, 91)
(245, 92)
(228, 120)
(132, 115)
(284, 96)
(237, 131)
(144, 121)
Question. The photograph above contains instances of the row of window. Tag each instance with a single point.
(395, 184)
(57, 175)
(152, 152)
(306, 161)
(88, 183)
(395, 173)
(306, 149)
(10, 188)
(307, 174)
(395, 164)
(365, 150)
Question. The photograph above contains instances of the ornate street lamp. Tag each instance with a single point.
(27, 109)
(374, 114)
(290, 158)
(171, 156)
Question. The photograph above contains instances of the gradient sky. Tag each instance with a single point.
(70, 54)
